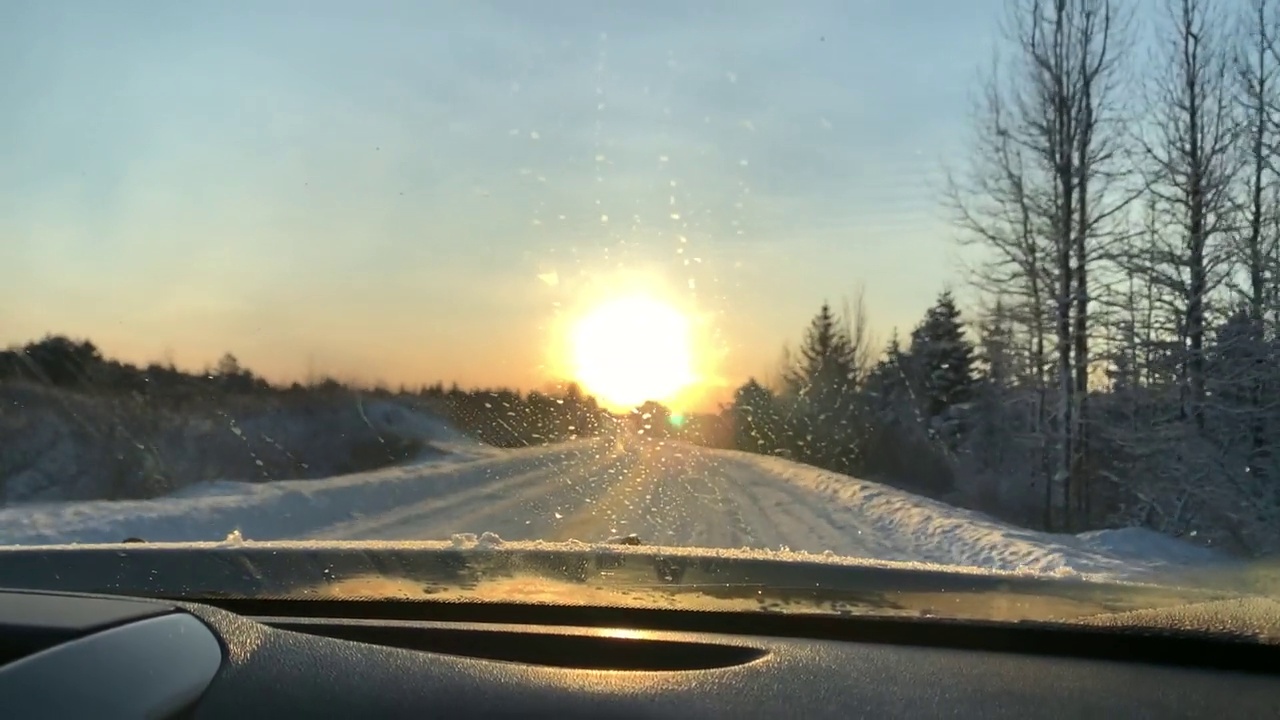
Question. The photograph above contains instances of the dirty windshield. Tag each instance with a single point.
(989, 285)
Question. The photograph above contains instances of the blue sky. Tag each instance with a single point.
(373, 189)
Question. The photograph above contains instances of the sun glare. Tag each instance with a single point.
(632, 349)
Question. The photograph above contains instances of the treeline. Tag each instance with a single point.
(1121, 204)
(509, 418)
(65, 362)
(907, 417)
(501, 417)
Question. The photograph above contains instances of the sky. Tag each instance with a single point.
(413, 191)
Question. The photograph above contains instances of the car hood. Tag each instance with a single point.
(627, 575)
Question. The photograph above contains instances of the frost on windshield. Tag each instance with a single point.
(835, 286)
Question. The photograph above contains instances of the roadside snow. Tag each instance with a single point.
(1142, 542)
(932, 531)
(261, 511)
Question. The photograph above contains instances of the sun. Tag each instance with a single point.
(631, 349)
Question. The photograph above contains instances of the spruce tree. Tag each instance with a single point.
(755, 420)
(825, 370)
(822, 384)
(942, 359)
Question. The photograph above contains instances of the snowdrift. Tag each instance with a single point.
(931, 531)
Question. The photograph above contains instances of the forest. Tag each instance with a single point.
(497, 416)
(1121, 205)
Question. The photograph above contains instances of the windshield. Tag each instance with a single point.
(987, 286)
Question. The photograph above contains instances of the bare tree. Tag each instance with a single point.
(1256, 64)
(1257, 243)
(1044, 195)
(1192, 159)
(863, 344)
(998, 206)
(1103, 195)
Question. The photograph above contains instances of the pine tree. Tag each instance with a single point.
(992, 427)
(942, 359)
(822, 384)
(755, 419)
(996, 341)
(825, 370)
(886, 386)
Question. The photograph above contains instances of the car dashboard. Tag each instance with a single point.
(66, 655)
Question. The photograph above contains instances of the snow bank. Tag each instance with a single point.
(286, 509)
(926, 530)
(1137, 542)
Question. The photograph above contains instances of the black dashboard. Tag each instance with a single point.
(64, 655)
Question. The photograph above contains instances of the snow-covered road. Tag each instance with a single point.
(666, 493)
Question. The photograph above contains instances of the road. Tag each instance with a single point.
(666, 493)
(589, 490)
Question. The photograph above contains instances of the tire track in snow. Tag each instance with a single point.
(667, 497)
(501, 495)
(786, 516)
(538, 511)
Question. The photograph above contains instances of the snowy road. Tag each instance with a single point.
(666, 493)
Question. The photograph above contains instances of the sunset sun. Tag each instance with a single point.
(632, 349)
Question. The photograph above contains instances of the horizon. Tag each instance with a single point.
(210, 370)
